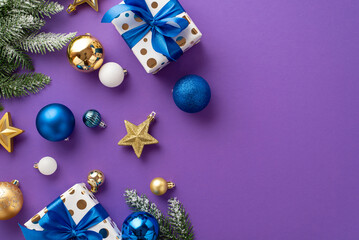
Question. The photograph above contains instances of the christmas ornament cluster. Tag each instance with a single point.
(158, 34)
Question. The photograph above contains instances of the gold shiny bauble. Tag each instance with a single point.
(95, 178)
(85, 53)
(159, 186)
(11, 199)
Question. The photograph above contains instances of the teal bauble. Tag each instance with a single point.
(140, 226)
(92, 118)
(55, 122)
(191, 93)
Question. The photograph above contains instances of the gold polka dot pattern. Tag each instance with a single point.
(125, 26)
(143, 51)
(71, 212)
(181, 41)
(154, 5)
(81, 204)
(35, 219)
(138, 19)
(151, 63)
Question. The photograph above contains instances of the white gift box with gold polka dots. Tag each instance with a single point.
(151, 60)
(78, 201)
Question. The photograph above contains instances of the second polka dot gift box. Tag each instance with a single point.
(157, 31)
(76, 214)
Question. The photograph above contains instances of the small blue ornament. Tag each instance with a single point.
(92, 118)
(191, 93)
(140, 226)
(55, 122)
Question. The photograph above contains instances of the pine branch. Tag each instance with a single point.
(20, 21)
(17, 26)
(142, 203)
(37, 8)
(179, 220)
(16, 57)
(49, 8)
(176, 227)
(19, 85)
(6, 68)
(42, 42)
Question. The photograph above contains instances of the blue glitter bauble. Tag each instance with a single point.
(191, 93)
(92, 118)
(140, 226)
(55, 122)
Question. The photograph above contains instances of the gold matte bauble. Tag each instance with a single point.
(159, 186)
(85, 53)
(95, 178)
(11, 199)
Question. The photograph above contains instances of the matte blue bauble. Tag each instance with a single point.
(55, 122)
(140, 226)
(92, 118)
(191, 93)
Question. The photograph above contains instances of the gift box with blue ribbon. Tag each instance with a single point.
(76, 214)
(157, 31)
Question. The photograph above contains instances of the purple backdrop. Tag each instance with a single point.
(273, 156)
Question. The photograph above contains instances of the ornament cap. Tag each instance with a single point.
(170, 185)
(70, 8)
(15, 182)
(102, 124)
(152, 116)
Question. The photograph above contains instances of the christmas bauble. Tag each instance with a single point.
(92, 118)
(85, 53)
(191, 93)
(11, 199)
(55, 122)
(46, 166)
(159, 186)
(111, 74)
(140, 226)
(95, 178)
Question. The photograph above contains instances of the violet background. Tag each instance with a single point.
(273, 156)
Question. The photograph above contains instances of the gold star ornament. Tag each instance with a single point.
(92, 3)
(8, 132)
(138, 136)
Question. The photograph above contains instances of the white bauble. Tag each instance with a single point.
(111, 74)
(47, 165)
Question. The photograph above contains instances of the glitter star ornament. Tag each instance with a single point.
(8, 132)
(138, 136)
(92, 3)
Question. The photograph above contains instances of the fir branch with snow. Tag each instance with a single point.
(20, 25)
(176, 226)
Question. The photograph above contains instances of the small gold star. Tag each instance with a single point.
(92, 3)
(138, 136)
(8, 132)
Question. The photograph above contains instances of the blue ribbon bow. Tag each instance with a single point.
(58, 224)
(164, 25)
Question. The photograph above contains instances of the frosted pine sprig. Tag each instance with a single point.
(20, 23)
(179, 220)
(175, 227)
(42, 42)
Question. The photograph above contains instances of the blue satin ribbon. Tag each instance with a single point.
(164, 25)
(58, 224)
